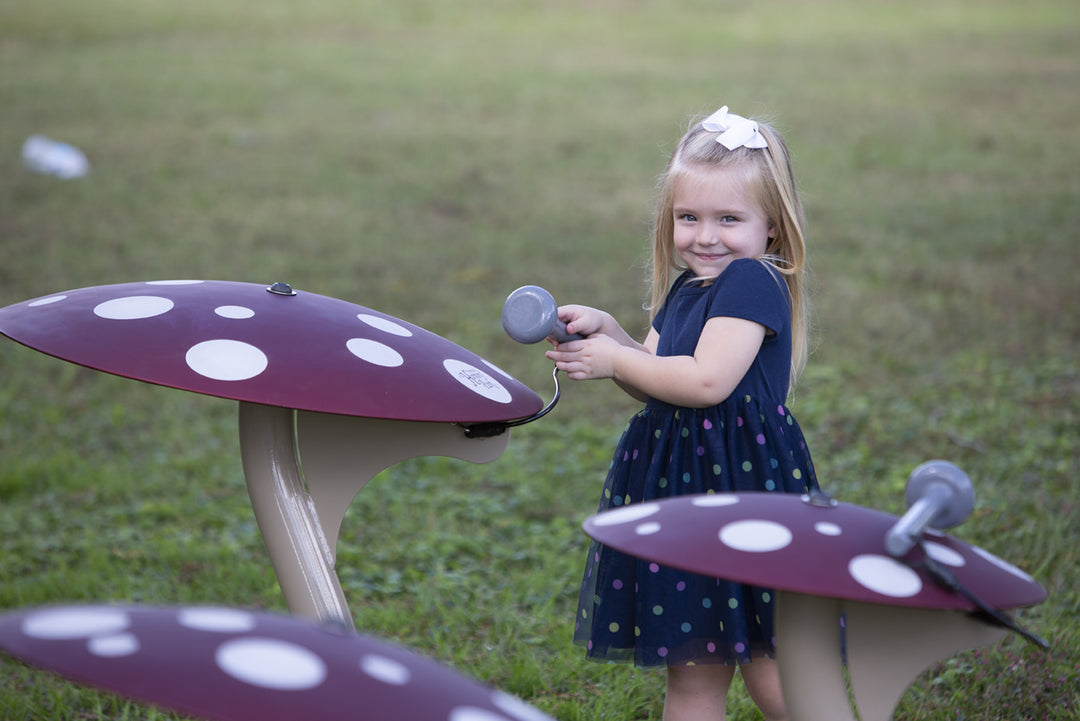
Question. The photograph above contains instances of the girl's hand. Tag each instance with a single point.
(587, 359)
(583, 320)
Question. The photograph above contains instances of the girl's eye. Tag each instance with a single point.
(686, 218)
(729, 219)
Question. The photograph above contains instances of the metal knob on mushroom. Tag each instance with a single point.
(828, 563)
(339, 390)
(228, 664)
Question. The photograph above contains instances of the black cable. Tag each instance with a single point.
(945, 578)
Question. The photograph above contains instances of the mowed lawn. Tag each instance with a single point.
(425, 159)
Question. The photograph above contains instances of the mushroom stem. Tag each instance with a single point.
(808, 655)
(887, 648)
(298, 548)
(300, 506)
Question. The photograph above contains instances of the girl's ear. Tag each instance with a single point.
(772, 231)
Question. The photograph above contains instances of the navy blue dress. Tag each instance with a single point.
(636, 611)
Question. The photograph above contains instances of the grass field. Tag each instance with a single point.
(425, 159)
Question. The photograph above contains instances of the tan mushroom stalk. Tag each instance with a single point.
(828, 561)
(330, 394)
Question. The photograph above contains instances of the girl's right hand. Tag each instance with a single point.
(583, 320)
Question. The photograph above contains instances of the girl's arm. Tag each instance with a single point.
(724, 353)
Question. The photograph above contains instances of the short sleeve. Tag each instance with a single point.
(751, 290)
(661, 314)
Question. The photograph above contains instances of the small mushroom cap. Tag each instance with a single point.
(245, 342)
(227, 664)
(789, 543)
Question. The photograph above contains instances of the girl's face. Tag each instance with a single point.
(717, 221)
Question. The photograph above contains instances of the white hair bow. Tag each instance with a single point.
(736, 131)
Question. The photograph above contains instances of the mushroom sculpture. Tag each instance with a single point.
(828, 562)
(228, 664)
(330, 393)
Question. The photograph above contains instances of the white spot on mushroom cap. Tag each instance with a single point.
(235, 312)
(226, 360)
(136, 307)
(217, 620)
(648, 529)
(626, 514)
(827, 528)
(374, 352)
(68, 624)
(944, 554)
(116, 646)
(477, 380)
(472, 713)
(1004, 565)
(715, 500)
(755, 536)
(517, 708)
(385, 669)
(174, 282)
(884, 575)
(272, 664)
(385, 324)
(46, 301)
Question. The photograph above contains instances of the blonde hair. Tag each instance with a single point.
(769, 179)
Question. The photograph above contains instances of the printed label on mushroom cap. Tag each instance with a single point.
(477, 380)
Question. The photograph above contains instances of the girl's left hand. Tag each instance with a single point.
(587, 359)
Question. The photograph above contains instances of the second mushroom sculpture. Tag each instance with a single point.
(832, 572)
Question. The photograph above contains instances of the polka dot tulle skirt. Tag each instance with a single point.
(636, 611)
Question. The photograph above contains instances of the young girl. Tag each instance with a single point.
(727, 340)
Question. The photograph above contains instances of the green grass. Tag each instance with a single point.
(425, 159)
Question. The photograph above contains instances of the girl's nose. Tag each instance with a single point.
(708, 236)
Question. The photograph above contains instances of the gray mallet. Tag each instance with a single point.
(939, 495)
(530, 315)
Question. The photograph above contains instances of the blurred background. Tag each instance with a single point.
(425, 159)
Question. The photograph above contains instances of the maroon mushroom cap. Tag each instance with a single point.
(233, 665)
(241, 341)
(790, 543)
